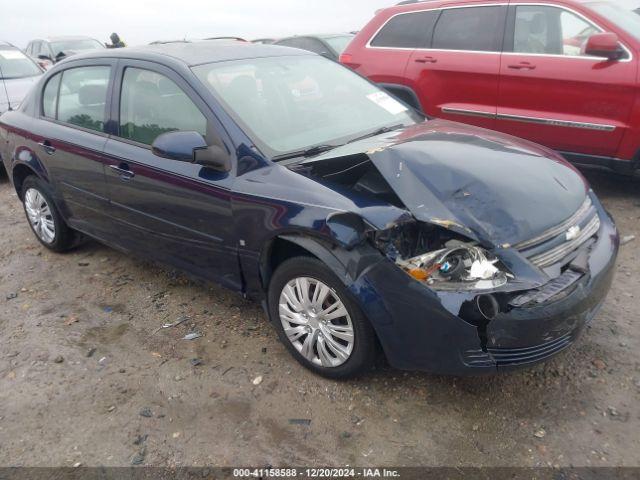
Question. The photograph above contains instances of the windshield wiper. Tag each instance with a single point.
(309, 152)
(377, 132)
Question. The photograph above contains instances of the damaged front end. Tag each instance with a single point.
(491, 262)
(460, 308)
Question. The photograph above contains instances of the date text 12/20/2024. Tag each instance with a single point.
(315, 473)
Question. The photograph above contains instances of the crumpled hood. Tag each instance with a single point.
(491, 187)
(17, 89)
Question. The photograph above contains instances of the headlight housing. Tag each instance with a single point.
(458, 267)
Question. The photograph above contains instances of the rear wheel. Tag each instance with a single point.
(43, 216)
(318, 321)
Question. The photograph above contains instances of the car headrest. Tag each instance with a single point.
(537, 24)
(92, 95)
(523, 30)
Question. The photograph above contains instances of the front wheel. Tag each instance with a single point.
(318, 321)
(43, 216)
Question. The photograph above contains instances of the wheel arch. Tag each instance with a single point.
(347, 265)
(19, 174)
(283, 247)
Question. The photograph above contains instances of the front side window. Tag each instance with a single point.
(290, 103)
(408, 30)
(15, 64)
(550, 30)
(83, 97)
(151, 104)
(473, 29)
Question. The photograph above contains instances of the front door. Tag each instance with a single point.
(554, 94)
(175, 212)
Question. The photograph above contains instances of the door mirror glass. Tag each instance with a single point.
(191, 147)
(213, 157)
(604, 45)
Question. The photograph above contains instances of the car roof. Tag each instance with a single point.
(6, 44)
(321, 36)
(196, 53)
(416, 5)
(62, 38)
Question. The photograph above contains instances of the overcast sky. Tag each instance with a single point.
(141, 21)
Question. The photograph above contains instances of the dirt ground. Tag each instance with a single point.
(86, 377)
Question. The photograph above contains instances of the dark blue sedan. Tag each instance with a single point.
(360, 225)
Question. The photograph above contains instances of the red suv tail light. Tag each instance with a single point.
(347, 60)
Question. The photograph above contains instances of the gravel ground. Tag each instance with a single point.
(86, 376)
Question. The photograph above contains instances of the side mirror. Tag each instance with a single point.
(604, 45)
(191, 147)
(45, 57)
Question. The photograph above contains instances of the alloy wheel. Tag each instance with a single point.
(316, 322)
(40, 216)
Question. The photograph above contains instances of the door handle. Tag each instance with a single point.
(523, 66)
(426, 60)
(123, 171)
(47, 147)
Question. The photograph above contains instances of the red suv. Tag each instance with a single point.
(560, 73)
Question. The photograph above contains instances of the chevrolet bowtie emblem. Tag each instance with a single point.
(573, 233)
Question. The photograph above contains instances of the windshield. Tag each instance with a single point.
(339, 44)
(288, 104)
(75, 45)
(622, 17)
(15, 64)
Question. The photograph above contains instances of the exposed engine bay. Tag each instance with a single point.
(429, 253)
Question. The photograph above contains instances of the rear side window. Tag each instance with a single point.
(476, 29)
(151, 105)
(408, 30)
(50, 97)
(83, 97)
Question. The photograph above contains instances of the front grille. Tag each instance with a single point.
(511, 357)
(555, 244)
(562, 228)
(521, 356)
(558, 253)
(551, 291)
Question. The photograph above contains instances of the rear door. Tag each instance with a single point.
(552, 93)
(175, 212)
(70, 137)
(456, 76)
(384, 59)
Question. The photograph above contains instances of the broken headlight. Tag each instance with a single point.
(459, 267)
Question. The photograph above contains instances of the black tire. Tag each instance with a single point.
(64, 237)
(362, 356)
